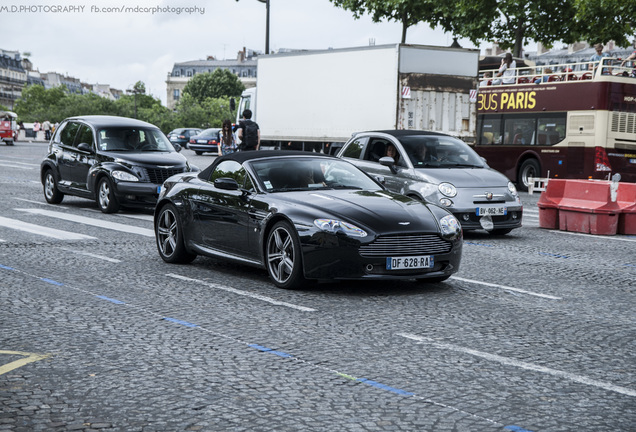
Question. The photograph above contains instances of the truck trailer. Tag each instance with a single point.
(315, 100)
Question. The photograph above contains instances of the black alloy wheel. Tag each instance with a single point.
(283, 255)
(169, 236)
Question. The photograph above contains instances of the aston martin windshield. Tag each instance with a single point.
(301, 173)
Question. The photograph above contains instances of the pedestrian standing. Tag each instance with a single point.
(46, 127)
(36, 129)
(227, 139)
(249, 133)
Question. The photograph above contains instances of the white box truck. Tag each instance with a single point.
(313, 99)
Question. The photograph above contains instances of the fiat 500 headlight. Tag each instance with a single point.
(511, 188)
(450, 227)
(447, 189)
(334, 226)
(124, 176)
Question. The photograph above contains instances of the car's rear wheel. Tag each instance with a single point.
(169, 236)
(284, 257)
(198, 153)
(51, 193)
(106, 199)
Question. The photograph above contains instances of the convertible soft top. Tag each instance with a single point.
(243, 156)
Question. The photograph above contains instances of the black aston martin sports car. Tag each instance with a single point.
(304, 216)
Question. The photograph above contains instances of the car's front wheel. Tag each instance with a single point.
(169, 236)
(51, 193)
(284, 257)
(106, 199)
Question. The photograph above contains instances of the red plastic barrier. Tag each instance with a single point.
(587, 207)
(626, 199)
(549, 204)
(580, 206)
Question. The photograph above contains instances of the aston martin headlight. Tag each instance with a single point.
(450, 227)
(447, 189)
(512, 188)
(124, 176)
(334, 226)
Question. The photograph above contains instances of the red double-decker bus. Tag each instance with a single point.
(570, 121)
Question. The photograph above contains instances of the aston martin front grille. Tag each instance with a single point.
(160, 175)
(404, 245)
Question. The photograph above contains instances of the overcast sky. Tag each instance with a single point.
(122, 47)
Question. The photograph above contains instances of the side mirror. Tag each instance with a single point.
(176, 146)
(85, 147)
(226, 183)
(388, 161)
(232, 101)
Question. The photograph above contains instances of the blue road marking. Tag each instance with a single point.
(110, 299)
(516, 429)
(553, 255)
(52, 282)
(385, 387)
(270, 351)
(178, 321)
(7, 267)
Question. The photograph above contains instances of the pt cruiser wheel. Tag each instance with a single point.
(51, 193)
(106, 200)
(169, 235)
(283, 254)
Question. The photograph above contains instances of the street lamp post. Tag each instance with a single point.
(266, 24)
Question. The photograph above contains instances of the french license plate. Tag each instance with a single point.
(158, 189)
(492, 211)
(412, 262)
(202, 141)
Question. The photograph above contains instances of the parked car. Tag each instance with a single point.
(304, 216)
(442, 170)
(113, 160)
(205, 142)
(182, 136)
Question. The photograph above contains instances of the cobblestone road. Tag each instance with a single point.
(535, 333)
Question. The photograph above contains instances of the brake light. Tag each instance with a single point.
(601, 161)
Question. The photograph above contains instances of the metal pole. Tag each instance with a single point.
(266, 25)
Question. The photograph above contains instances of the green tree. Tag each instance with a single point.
(407, 12)
(215, 84)
(210, 113)
(607, 20)
(511, 23)
(38, 103)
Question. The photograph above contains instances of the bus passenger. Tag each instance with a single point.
(507, 70)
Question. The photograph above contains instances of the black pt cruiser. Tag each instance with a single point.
(116, 161)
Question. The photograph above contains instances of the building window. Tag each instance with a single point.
(175, 73)
(175, 94)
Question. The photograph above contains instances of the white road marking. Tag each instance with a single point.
(12, 165)
(92, 255)
(91, 221)
(243, 293)
(523, 365)
(604, 237)
(507, 288)
(41, 230)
